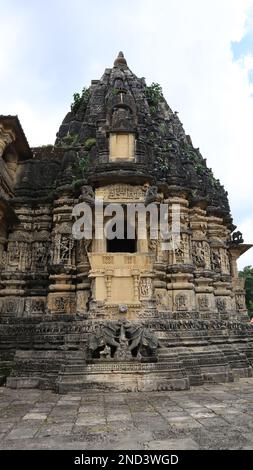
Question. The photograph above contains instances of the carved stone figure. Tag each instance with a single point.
(216, 260)
(141, 340)
(198, 254)
(40, 255)
(145, 287)
(203, 302)
(237, 237)
(63, 246)
(151, 195)
(181, 302)
(179, 255)
(240, 302)
(106, 334)
(122, 119)
(123, 352)
(221, 305)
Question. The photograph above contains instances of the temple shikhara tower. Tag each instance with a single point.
(120, 314)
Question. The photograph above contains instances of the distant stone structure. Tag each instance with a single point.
(102, 315)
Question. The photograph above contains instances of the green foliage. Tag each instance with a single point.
(77, 182)
(196, 159)
(163, 162)
(114, 91)
(154, 95)
(88, 144)
(83, 163)
(81, 167)
(48, 146)
(79, 99)
(247, 274)
(69, 140)
(163, 128)
(189, 151)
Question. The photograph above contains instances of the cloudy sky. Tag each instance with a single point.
(200, 51)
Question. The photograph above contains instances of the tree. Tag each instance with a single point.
(247, 274)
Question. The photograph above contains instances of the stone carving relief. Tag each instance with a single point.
(3, 258)
(179, 255)
(11, 305)
(240, 302)
(105, 335)
(40, 255)
(152, 195)
(200, 230)
(182, 251)
(237, 238)
(19, 256)
(161, 296)
(87, 194)
(122, 119)
(61, 304)
(124, 339)
(221, 305)
(82, 248)
(141, 340)
(33, 306)
(13, 254)
(123, 352)
(181, 302)
(203, 302)
(145, 288)
(216, 260)
(121, 192)
(63, 249)
(125, 192)
(153, 245)
(225, 264)
(201, 254)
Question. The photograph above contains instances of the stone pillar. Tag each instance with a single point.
(218, 239)
(18, 263)
(200, 249)
(108, 283)
(62, 289)
(83, 282)
(136, 276)
(36, 294)
(180, 269)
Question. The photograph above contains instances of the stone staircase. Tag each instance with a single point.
(113, 375)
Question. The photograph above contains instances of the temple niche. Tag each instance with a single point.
(122, 313)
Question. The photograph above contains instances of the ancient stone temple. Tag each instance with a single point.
(116, 314)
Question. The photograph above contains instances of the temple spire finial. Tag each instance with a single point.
(120, 61)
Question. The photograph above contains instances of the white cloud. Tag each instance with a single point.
(184, 45)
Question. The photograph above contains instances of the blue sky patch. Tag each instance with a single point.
(245, 45)
(250, 75)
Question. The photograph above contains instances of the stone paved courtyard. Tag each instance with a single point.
(207, 417)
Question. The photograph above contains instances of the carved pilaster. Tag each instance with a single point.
(62, 296)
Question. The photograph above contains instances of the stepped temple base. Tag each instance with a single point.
(55, 355)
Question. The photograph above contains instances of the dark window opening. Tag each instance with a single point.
(121, 245)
